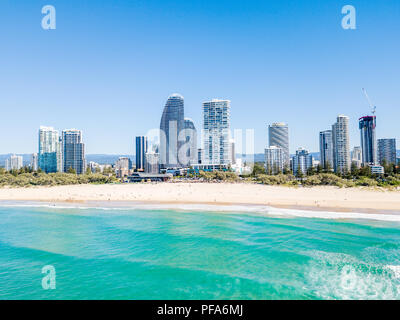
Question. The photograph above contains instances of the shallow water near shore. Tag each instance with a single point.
(159, 252)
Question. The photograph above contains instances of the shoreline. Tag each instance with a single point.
(330, 199)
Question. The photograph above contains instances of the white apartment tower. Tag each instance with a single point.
(274, 160)
(341, 145)
(216, 132)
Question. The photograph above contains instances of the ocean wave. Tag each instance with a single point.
(232, 209)
(341, 276)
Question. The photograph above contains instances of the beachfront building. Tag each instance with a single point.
(73, 151)
(274, 160)
(141, 150)
(171, 125)
(152, 162)
(367, 127)
(387, 151)
(123, 167)
(34, 161)
(14, 163)
(326, 149)
(301, 162)
(377, 169)
(278, 136)
(233, 152)
(49, 155)
(189, 150)
(216, 132)
(341, 145)
(356, 157)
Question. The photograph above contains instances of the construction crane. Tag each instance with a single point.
(373, 108)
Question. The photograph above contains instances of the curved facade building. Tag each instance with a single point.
(278, 134)
(172, 123)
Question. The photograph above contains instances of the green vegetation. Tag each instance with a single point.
(218, 176)
(25, 178)
(319, 177)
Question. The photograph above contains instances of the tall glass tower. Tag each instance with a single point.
(141, 150)
(172, 135)
(367, 127)
(216, 134)
(326, 149)
(191, 142)
(278, 135)
(73, 151)
(49, 155)
(387, 151)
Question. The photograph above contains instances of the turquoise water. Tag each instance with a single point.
(168, 254)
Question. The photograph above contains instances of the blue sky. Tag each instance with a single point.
(109, 67)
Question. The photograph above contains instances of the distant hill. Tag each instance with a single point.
(107, 158)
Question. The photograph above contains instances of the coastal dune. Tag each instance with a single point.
(335, 199)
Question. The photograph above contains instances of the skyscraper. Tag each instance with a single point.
(216, 132)
(367, 127)
(326, 149)
(49, 150)
(141, 150)
(301, 161)
(14, 163)
(387, 151)
(341, 145)
(73, 151)
(274, 160)
(356, 156)
(34, 161)
(171, 125)
(233, 151)
(191, 143)
(278, 136)
(152, 162)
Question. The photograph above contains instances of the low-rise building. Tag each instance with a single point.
(146, 177)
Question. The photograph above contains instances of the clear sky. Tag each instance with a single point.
(109, 67)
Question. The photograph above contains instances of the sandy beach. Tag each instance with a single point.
(317, 198)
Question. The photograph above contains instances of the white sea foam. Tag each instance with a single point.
(341, 276)
(233, 209)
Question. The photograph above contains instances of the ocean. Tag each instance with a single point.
(196, 252)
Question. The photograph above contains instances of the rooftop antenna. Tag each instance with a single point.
(373, 108)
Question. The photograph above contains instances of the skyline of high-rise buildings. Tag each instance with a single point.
(61, 153)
